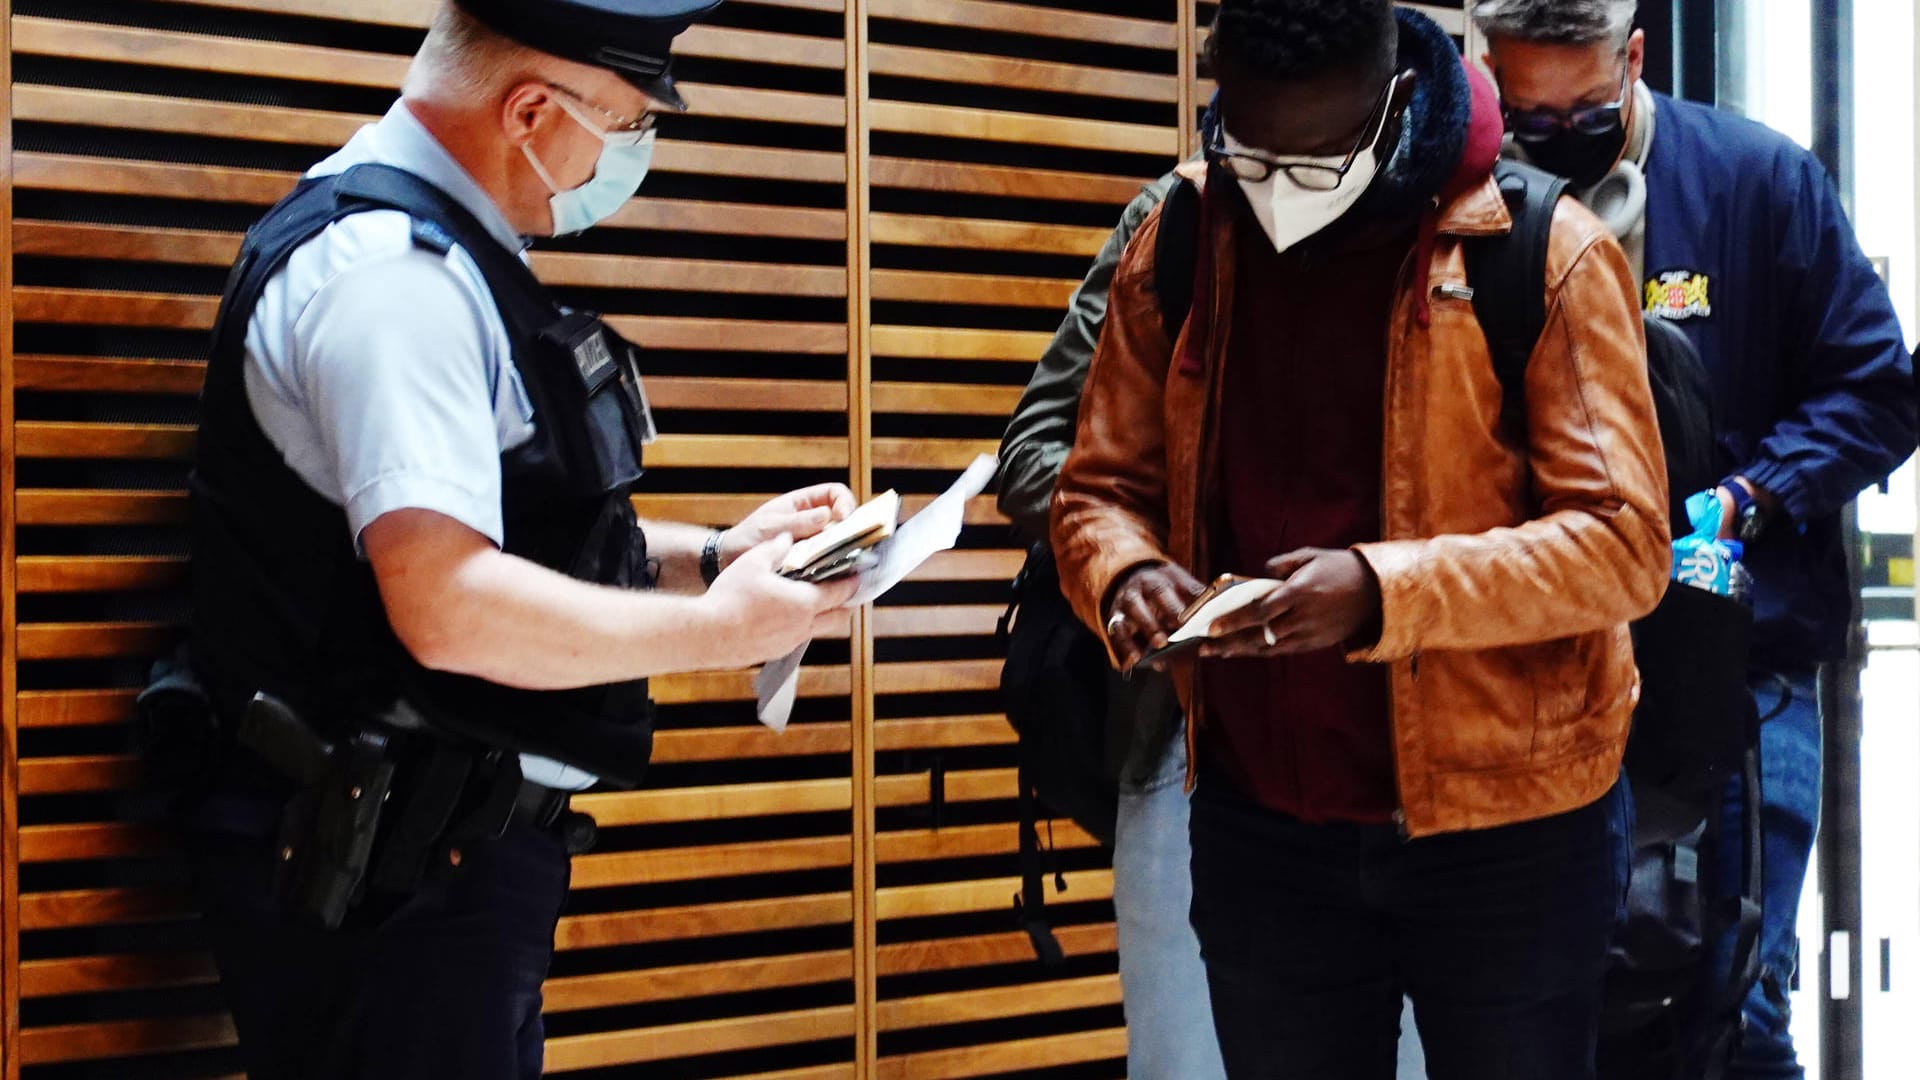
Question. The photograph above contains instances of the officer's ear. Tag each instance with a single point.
(1636, 56)
(527, 107)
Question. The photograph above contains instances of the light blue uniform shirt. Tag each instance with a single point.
(382, 371)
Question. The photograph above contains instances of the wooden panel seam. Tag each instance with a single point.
(864, 854)
(9, 660)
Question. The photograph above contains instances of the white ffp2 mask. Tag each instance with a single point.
(1289, 213)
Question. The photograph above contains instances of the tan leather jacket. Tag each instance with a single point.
(1508, 573)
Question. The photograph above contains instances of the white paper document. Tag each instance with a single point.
(1225, 596)
(929, 532)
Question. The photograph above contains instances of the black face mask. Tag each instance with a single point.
(1583, 159)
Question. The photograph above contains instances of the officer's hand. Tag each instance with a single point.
(798, 514)
(1326, 599)
(761, 616)
(1146, 607)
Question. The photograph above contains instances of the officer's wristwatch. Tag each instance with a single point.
(1749, 519)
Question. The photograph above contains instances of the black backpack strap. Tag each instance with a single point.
(1739, 916)
(1176, 254)
(1508, 274)
(1031, 903)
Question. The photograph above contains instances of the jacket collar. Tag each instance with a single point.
(1478, 211)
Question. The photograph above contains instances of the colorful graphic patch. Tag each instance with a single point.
(1678, 295)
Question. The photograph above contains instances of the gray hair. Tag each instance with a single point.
(1557, 22)
(463, 59)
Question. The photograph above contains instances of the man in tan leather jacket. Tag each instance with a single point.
(1407, 752)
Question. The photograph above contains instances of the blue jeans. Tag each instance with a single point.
(1789, 814)
(1312, 932)
(1163, 985)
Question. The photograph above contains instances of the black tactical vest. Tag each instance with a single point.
(281, 601)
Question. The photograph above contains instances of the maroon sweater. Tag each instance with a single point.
(1300, 429)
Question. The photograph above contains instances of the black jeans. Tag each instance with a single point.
(1312, 933)
(446, 985)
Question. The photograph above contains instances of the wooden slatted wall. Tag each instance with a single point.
(845, 264)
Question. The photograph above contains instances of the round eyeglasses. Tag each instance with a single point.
(1542, 125)
(1254, 167)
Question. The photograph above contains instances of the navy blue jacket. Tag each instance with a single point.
(1751, 254)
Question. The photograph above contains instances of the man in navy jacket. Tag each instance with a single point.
(1741, 241)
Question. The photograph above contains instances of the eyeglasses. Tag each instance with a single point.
(626, 131)
(1254, 167)
(1541, 125)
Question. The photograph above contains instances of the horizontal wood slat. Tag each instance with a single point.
(112, 840)
(709, 862)
(58, 507)
(994, 1058)
(963, 123)
(574, 1052)
(715, 803)
(962, 179)
(901, 285)
(416, 13)
(931, 343)
(63, 574)
(908, 62)
(74, 708)
(85, 373)
(990, 950)
(69, 908)
(998, 1003)
(101, 974)
(962, 897)
(702, 921)
(969, 841)
(81, 641)
(1023, 236)
(1036, 20)
(127, 1038)
(570, 993)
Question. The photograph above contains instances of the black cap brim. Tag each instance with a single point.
(631, 38)
(661, 89)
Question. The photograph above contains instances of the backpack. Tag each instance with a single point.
(1054, 686)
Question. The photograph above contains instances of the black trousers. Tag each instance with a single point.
(1312, 934)
(444, 985)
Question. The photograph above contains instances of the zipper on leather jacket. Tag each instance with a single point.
(1393, 721)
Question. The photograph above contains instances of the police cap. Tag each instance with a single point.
(632, 38)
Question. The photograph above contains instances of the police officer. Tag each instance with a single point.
(421, 601)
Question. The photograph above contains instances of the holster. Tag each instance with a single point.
(327, 830)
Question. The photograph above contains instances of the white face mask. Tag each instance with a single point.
(1289, 213)
(625, 157)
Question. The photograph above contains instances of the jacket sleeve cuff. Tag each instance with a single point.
(1783, 483)
(1396, 565)
(1102, 566)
